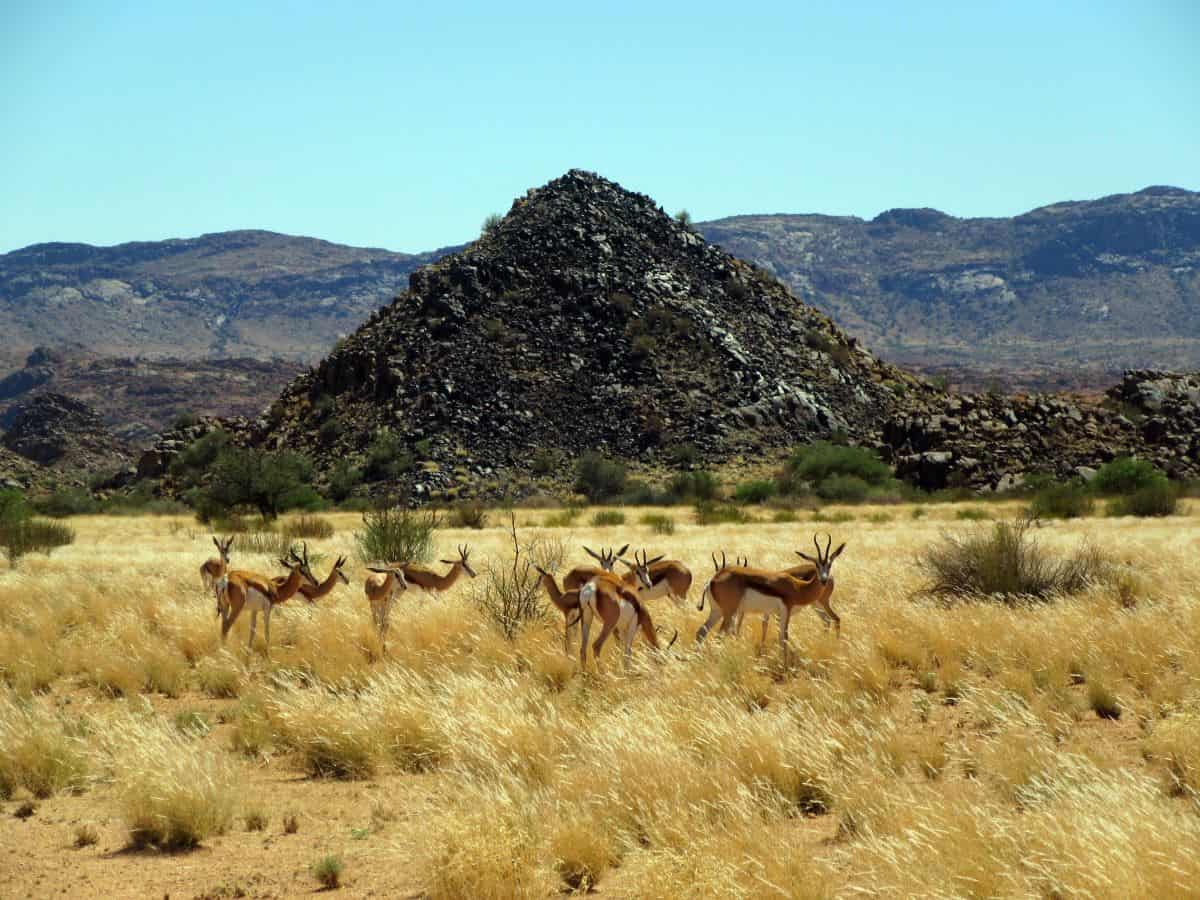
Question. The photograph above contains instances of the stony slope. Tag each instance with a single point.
(236, 293)
(1094, 286)
(588, 319)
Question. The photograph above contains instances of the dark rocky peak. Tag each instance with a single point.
(925, 219)
(53, 429)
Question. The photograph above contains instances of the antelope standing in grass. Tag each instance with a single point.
(382, 587)
(737, 589)
(312, 593)
(566, 602)
(619, 609)
(430, 581)
(215, 566)
(581, 575)
(668, 578)
(240, 589)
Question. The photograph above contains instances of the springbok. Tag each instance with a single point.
(566, 602)
(240, 588)
(668, 577)
(216, 566)
(737, 589)
(430, 581)
(312, 593)
(619, 609)
(382, 588)
(802, 572)
(581, 575)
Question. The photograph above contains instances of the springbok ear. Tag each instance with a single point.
(215, 541)
(592, 554)
(287, 565)
(651, 562)
(621, 552)
(836, 552)
(807, 557)
(449, 562)
(380, 571)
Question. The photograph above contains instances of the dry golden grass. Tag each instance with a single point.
(930, 751)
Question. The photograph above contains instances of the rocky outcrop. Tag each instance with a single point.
(587, 319)
(54, 430)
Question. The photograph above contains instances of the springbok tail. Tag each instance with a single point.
(704, 596)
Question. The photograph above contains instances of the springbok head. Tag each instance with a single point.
(295, 562)
(641, 567)
(223, 547)
(606, 558)
(824, 560)
(337, 569)
(396, 570)
(463, 553)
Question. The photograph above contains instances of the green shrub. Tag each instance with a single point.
(824, 461)
(543, 461)
(1005, 561)
(608, 517)
(972, 514)
(387, 459)
(1070, 500)
(843, 489)
(396, 535)
(834, 518)
(268, 481)
(918, 512)
(468, 514)
(198, 457)
(658, 523)
(755, 491)
(21, 536)
(1125, 475)
(69, 502)
(784, 516)
(13, 507)
(562, 519)
(328, 869)
(1159, 498)
(709, 513)
(344, 478)
(638, 493)
(685, 454)
(598, 477)
(693, 487)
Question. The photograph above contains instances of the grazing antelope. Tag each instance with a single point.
(382, 589)
(566, 602)
(802, 572)
(430, 581)
(743, 589)
(619, 609)
(668, 577)
(216, 566)
(312, 593)
(581, 575)
(240, 588)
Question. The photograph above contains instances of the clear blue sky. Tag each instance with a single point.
(403, 127)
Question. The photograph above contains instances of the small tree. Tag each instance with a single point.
(490, 224)
(510, 593)
(270, 481)
(684, 218)
(20, 533)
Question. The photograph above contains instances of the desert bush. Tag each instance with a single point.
(1069, 500)
(608, 517)
(509, 592)
(1006, 561)
(269, 481)
(834, 472)
(343, 480)
(86, 834)
(598, 477)
(564, 518)
(387, 458)
(1125, 475)
(67, 502)
(328, 869)
(468, 514)
(972, 514)
(658, 523)
(21, 536)
(843, 489)
(759, 491)
(256, 819)
(396, 535)
(709, 513)
(308, 528)
(693, 487)
(1159, 498)
(190, 466)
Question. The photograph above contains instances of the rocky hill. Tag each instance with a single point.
(232, 294)
(1091, 287)
(138, 397)
(587, 319)
(55, 441)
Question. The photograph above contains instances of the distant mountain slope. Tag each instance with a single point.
(236, 293)
(1105, 284)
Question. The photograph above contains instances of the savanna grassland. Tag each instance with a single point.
(936, 749)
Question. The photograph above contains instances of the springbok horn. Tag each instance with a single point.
(828, 544)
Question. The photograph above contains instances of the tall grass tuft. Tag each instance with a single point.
(396, 535)
(1006, 561)
(39, 750)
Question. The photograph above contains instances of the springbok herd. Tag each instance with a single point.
(588, 592)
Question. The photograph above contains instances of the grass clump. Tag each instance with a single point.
(256, 819)
(21, 533)
(607, 518)
(710, 513)
(658, 523)
(468, 514)
(307, 527)
(291, 822)
(86, 834)
(1070, 500)
(328, 871)
(396, 535)
(39, 750)
(1006, 561)
(1159, 498)
(972, 514)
